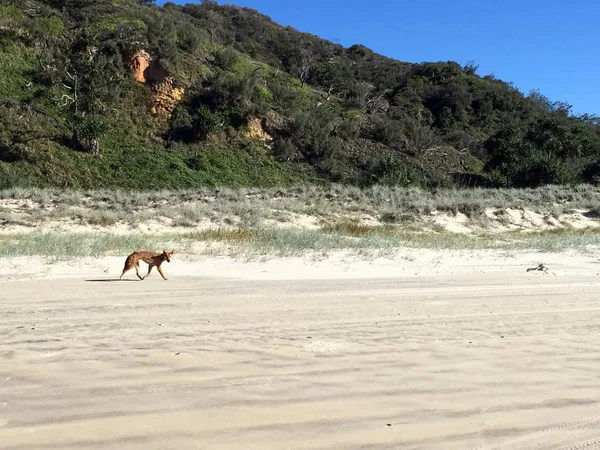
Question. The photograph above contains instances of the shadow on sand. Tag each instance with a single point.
(110, 280)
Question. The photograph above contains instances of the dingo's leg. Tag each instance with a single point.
(125, 269)
(150, 266)
(137, 270)
(161, 272)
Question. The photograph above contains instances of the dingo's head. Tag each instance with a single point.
(168, 255)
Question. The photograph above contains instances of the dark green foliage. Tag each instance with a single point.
(235, 97)
(285, 150)
(192, 125)
(335, 114)
(222, 100)
(539, 169)
(226, 58)
(545, 152)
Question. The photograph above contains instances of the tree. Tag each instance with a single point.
(87, 82)
(92, 77)
(88, 129)
(305, 65)
(471, 67)
(548, 105)
(300, 63)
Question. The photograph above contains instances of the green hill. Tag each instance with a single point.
(119, 93)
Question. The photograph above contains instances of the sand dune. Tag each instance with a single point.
(504, 359)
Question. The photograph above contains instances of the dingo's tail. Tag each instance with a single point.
(128, 265)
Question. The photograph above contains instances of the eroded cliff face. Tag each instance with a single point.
(166, 96)
(139, 64)
(165, 91)
(257, 132)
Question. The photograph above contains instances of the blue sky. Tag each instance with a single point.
(549, 45)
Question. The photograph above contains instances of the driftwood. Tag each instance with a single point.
(540, 268)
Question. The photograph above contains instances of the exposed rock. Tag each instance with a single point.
(166, 96)
(151, 73)
(140, 61)
(257, 132)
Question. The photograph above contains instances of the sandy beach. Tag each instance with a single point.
(464, 353)
(368, 226)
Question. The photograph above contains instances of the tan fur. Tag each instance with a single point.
(151, 258)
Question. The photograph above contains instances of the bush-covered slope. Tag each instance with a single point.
(103, 93)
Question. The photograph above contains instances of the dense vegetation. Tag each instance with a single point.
(71, 113)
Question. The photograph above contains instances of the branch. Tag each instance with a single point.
(68, 100)
(27, 140)
(327, 96)
(374, 99)
(28, 107)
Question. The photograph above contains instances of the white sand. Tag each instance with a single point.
(452, 350)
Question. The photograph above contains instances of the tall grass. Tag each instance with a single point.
(365, 241)
(250, 207)
(75, 245)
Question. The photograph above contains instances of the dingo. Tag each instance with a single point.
(151, 258)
